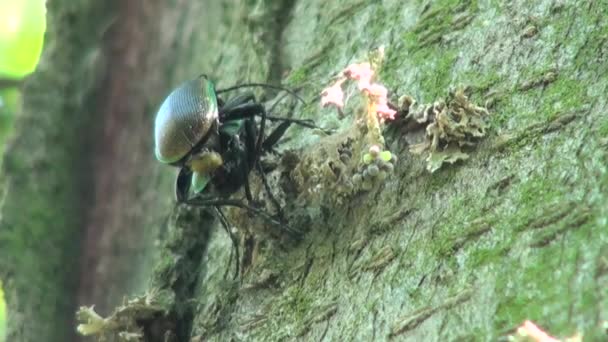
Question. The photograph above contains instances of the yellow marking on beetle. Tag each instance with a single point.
(206, 162)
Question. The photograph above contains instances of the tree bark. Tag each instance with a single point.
(517, 231)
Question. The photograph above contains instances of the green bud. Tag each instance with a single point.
(386, 155)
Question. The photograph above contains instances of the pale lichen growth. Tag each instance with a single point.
(451, 125)
(125, 323)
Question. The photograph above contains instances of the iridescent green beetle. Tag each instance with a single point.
(214, 143)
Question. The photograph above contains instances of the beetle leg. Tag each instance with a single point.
(246, 111)
(242, 111)
(274, 137)
(235, 102)
(308, 123)
(209, 202)
(273, 200)
(182, 185)
(247, 188)
(235, 243)
(253, 151)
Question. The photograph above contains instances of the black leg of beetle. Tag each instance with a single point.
(235, 243)
(250, 154)
(258, 144)
(273, 200)
(302, 122)
(204, 202)
(244, 111)
(238, 110)
(235, 102)
(208, 202)
(274, 137)
(254, 164)
(182, 185)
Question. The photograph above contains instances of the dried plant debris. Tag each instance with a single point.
(451, 125)
(356, 159)
(126, 323)
(324, 174)
(343, 166)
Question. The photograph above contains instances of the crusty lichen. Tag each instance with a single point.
(451, 125)
(127, 321)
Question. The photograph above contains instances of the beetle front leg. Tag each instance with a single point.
(235, 243)
(237, 101)
(246, 111)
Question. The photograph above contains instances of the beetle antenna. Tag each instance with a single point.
(263, 85)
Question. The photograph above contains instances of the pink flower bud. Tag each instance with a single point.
(385, 112)
(333, 95)
(531, 330)
(378, 91)
(374, 150)
(361, 71)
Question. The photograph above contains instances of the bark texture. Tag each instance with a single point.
(517, 231)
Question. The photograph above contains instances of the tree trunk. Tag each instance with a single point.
(517, 231)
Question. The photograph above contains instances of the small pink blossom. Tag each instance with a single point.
(532, 330)
(333, 95)
(385, 112)
(363, 84)
(359, 71)
(378, 91)
(374, 150)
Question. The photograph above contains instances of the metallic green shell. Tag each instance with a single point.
(184, 119)
(199, 182)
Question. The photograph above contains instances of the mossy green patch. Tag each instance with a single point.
(479, 83)
(298, 76)
(562, 96)
(440, 179)
(603, 127)
(481, 256)
(293, 308)
(545, 289)
(426, 53)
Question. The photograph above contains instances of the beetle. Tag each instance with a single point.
(215, 144)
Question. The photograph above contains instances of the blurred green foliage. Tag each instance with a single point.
(22, 24)
(21, 31)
